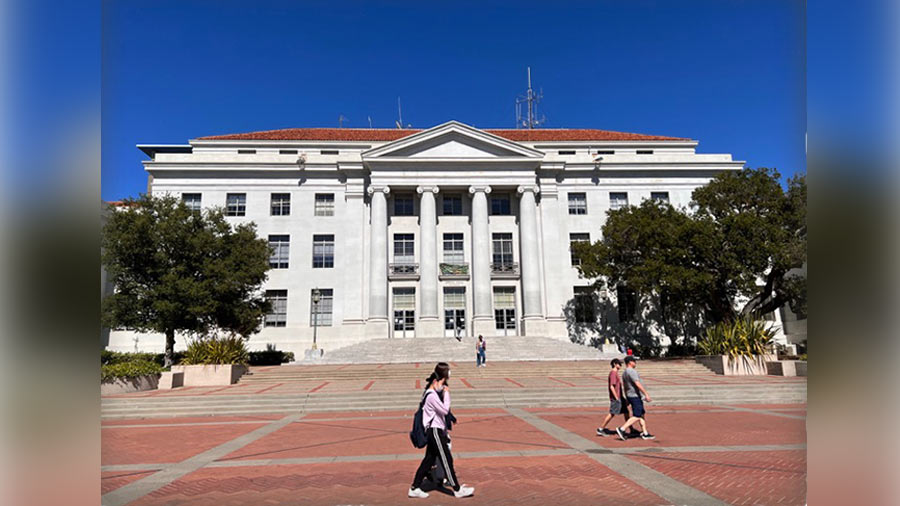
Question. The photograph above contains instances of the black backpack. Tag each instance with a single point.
(417, 434)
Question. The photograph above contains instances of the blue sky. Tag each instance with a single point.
(728, 73)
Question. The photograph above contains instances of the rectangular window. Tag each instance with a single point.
(453, 249)
(566, 151)
(503, 248)
(324, 204)
(287, 151)
(281, 249)
(452, 204)
(500, 205)
(627, 300)
(660, 196)
(577, 203)
(192, 201)
(320, 314)
(403, 205)
(584, 305)
(574, 238)
(277, 317)
(404, 249)
(328, 152)
(246, 151)
(323, 251)
(236, 204)
(618, 200)
(606, 152)
(645, 151)
(454, 297)
(281, 204)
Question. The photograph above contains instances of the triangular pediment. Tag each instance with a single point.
(452, 140)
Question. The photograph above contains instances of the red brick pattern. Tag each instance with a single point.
(757, 478)
(111, 480)
(570, 480)
(693, 429)
(152, 445)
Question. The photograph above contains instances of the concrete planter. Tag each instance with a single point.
(742, 366)
(127, 385)
(210, 375)
(786, 368)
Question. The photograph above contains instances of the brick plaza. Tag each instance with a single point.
(718, 453)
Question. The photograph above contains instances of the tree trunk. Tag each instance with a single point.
(170, 348)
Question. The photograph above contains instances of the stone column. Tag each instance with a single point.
(530, 257)
(429, 324)
(483, 318)
(377, 324)
(353, 240)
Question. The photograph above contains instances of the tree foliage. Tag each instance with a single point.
(176, 270)
(732, 252)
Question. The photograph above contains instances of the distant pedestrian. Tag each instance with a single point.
(434, 413)
(633, 391)
(617, 404)
(480, 349)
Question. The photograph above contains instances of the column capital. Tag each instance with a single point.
(529, 188)
(482, 188)
(378, 188)
(432, 189)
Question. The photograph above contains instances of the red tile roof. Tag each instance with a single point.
(391, 134)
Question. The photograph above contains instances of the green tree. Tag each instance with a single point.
(176, 270)
(739, 242)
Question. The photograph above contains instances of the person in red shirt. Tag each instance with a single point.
(616, 404)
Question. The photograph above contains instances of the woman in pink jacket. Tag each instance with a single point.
(433, 412)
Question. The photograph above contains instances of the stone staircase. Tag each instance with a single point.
(681, 382)
(499, 349)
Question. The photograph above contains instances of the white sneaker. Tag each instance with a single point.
(464, 491)
(417, 492)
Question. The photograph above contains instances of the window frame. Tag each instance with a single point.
(189, 202)
(283, 205)
(322, 242)
(580, 207)
(627, 303)
(240, 208)
(502, 254)
(282, 251)
(613, 203)
(322, 206)
(453, 199)
(584, 305)
(404, 197)
(271, 319)
(407, 241)
(454, 241)
(497, 201)
(661, 196)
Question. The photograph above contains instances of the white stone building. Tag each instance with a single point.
(428, 233)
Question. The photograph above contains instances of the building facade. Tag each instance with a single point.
(449, 231)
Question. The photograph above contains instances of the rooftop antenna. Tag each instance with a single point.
(341, 120)
(531, 99)
(399, 121)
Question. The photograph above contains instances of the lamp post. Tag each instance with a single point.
(316, 297)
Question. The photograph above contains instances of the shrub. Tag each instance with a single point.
(216, 351)
(129, 369)
(271, 357)
(118, 357)
(743, 336)
(646, 351)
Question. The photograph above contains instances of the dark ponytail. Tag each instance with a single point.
(441, 371)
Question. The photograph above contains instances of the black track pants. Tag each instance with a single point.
(436, 449)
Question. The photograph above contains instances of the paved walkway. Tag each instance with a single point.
(703, 454)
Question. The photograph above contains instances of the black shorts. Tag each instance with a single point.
(637, 406)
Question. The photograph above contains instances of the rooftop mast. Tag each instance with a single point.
(531, 99)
